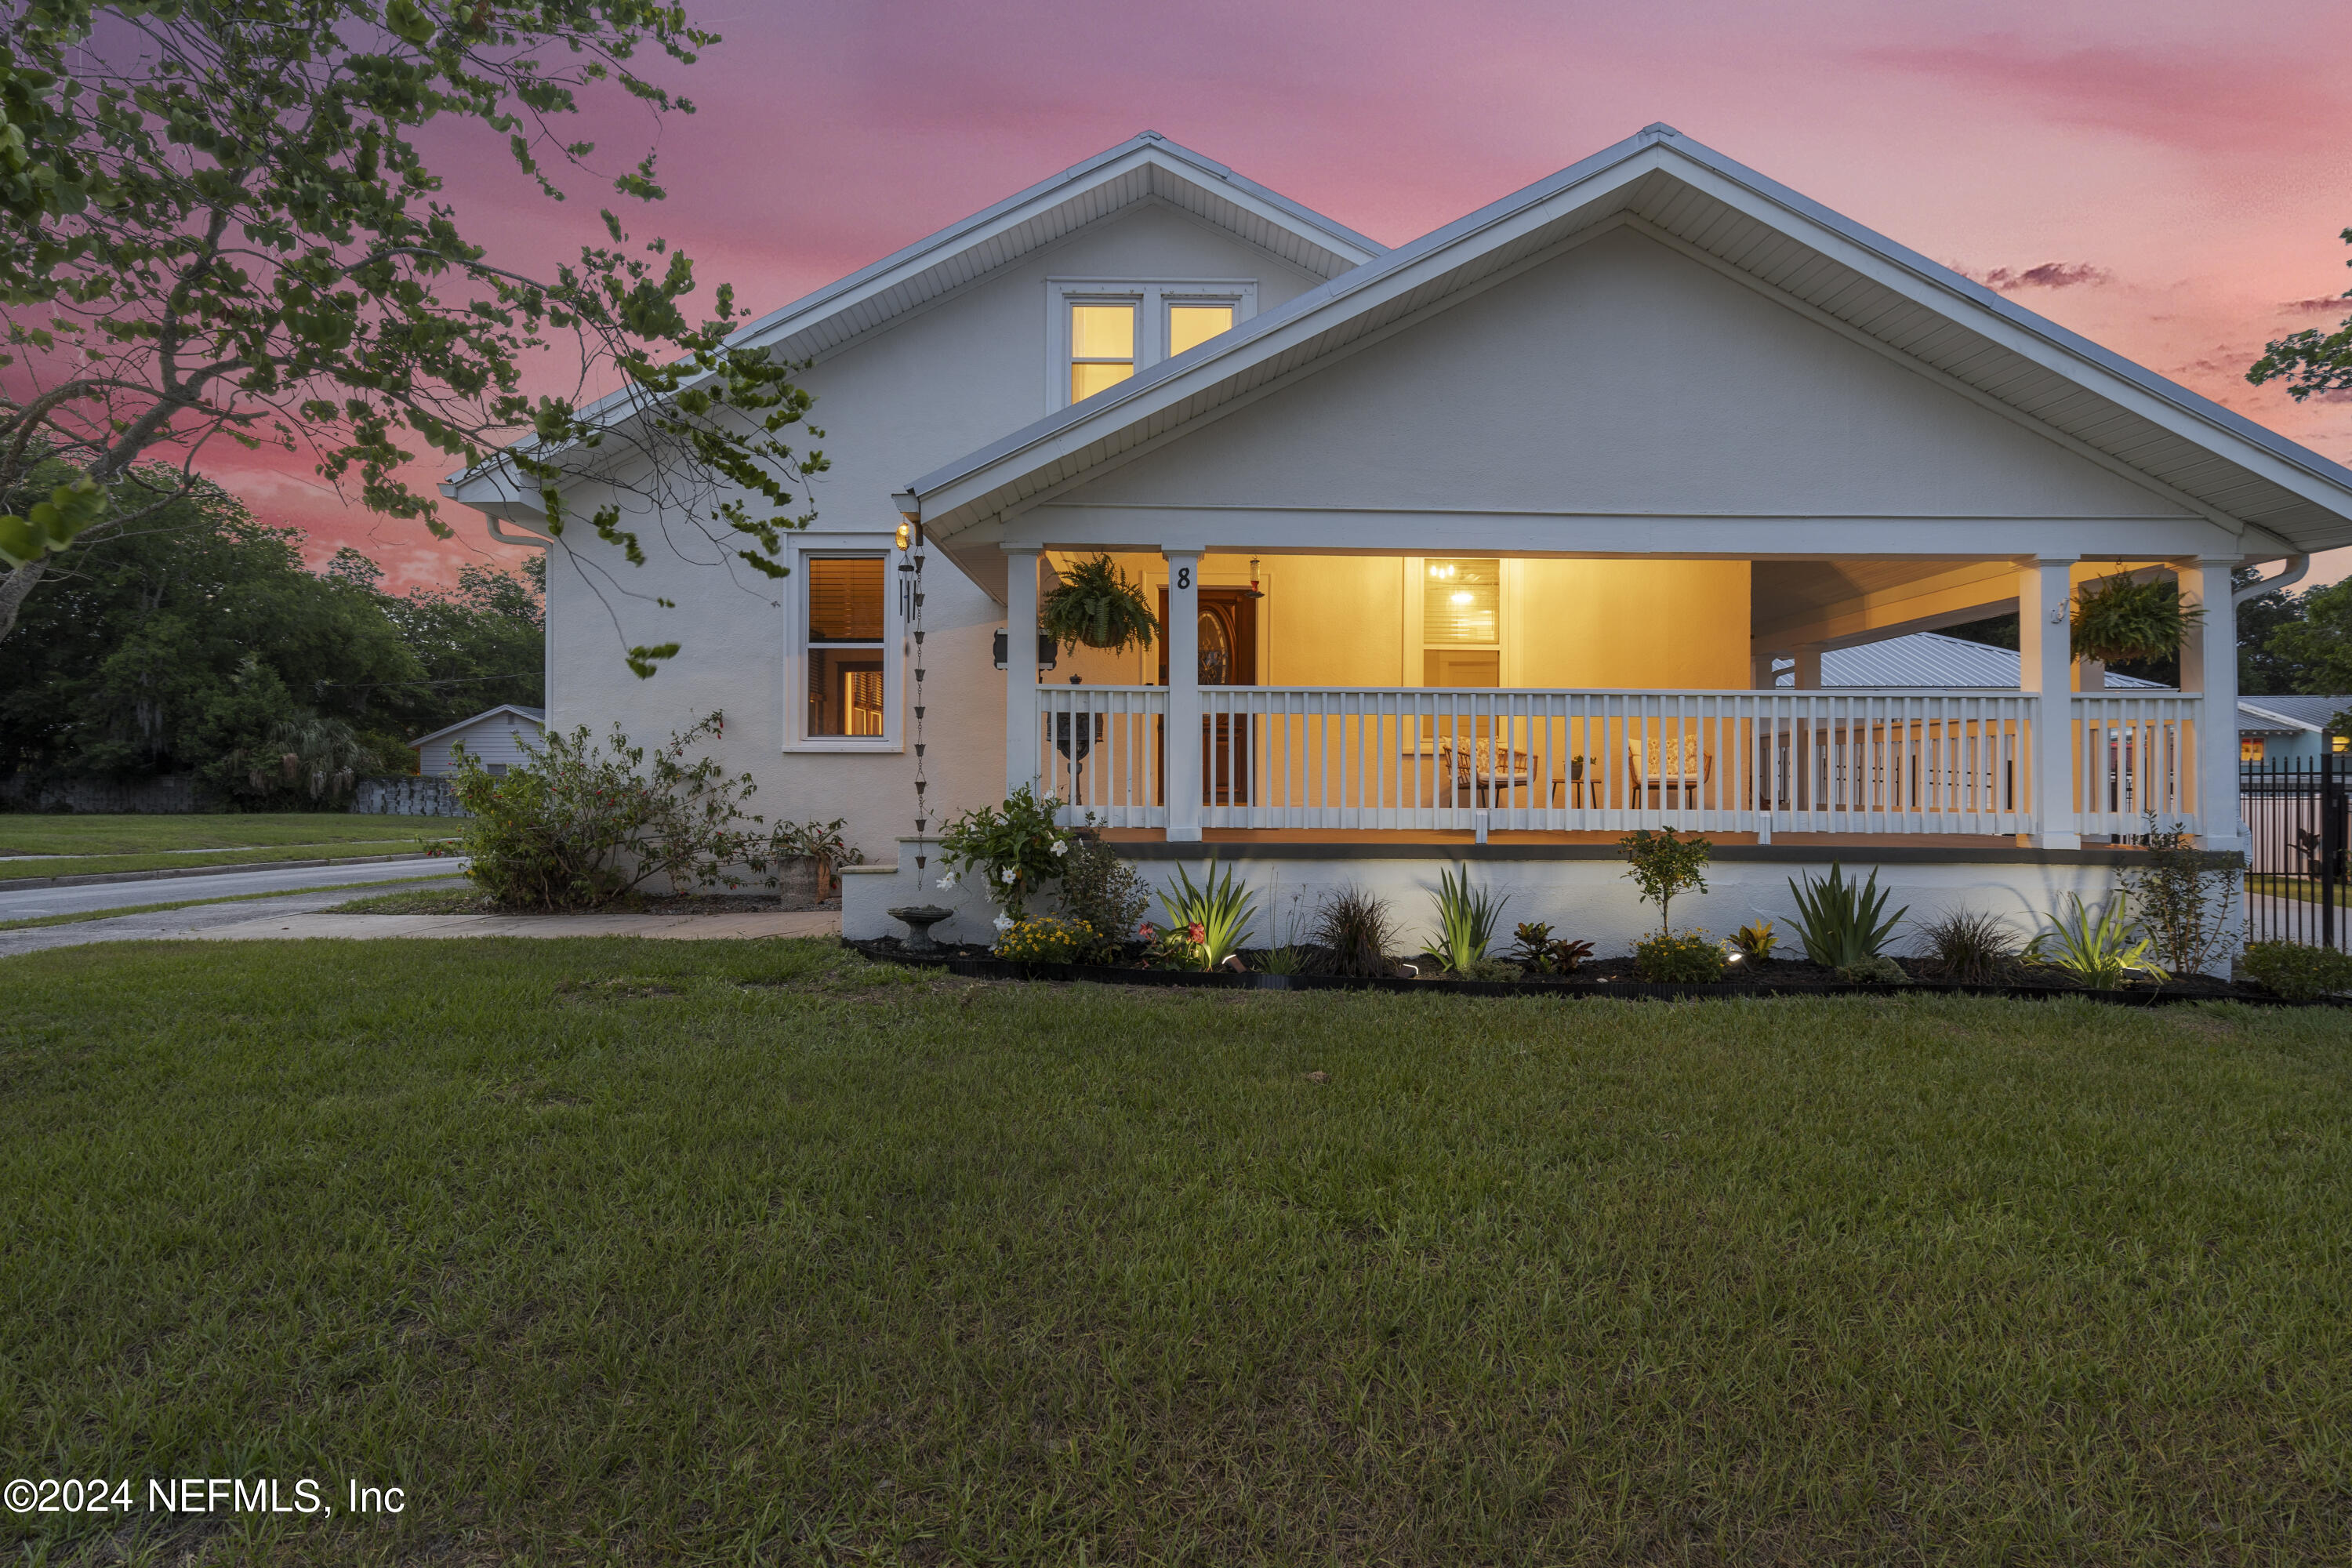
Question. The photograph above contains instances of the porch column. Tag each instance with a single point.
(1183, 751)
(1020, 667)
(1759, 671)
(2045, 666)
(1809, 667)
(2209, 667)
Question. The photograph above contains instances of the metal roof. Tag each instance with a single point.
(2301, 712)
(1931, 659)
(536, 715)
(1689, 196)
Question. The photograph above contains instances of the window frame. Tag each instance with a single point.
(869, 546)
(1151, 297)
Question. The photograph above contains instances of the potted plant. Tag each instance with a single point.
(2123, 620)
(1098, 606)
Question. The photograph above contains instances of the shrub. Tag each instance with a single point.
(1015, 848)
(1358, 930)
(577, 827)
(1970, 946)
(1534, 947)
(2096, 944)
(1690, 959)
(1217, 913)
(1664, 865)
(2185, 895)
(1465, 921)
(1838, 920)
(1755, 941)
(1100, 889)
(1876, 969)
(820, 841)
(2299, 972)
(1496, 970)
(1047, 939)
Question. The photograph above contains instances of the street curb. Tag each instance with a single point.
(169, 873)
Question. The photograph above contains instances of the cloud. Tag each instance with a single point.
(2049, 275)
(2325, 305)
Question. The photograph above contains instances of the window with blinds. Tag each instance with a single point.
(844, 645)
(1462, 623)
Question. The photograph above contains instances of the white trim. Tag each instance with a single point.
(525, 714)
(796, 649)
(1151, 297)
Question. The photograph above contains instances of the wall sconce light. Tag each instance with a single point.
(1254, 590)
(1048, 650)
(906, 534)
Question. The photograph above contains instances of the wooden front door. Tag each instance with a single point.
(1227, 636)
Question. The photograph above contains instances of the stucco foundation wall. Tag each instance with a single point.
(1588, 899)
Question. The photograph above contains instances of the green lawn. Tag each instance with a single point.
(2271, 884)
(80, 865)
(640, 1251)
(39, 834)
(82, 917)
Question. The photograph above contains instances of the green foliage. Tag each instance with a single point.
(821, 841)
(1015, 848)
(1098, 606)
(1465, 921)
(1664, 865)
(2096, 944)
(1214, 917)
(1537, 949)
(1045, 939)
(1692, 958)
(1837, 921)
(2121, 619)
(2298, 971)
(1356, 929)
(2311, 362)
(1971, 947)
(1876, 969)
(224, 221)
(1100, 889)
(577, 826)
(2184, 896)
(1756, 941)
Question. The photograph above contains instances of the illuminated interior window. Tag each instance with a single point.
(2339, 743)
(1189, 325)
(1462, 623)
(1102, 348)
(2250, 749)
(844, 645)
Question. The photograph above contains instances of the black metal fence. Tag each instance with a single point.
(2298, 815)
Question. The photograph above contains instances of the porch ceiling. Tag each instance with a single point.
(2275, 495)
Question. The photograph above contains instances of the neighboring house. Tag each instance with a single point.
(1481, 548)
(495, 737)
(2289, 731)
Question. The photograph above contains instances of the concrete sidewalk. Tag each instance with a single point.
(291, 927)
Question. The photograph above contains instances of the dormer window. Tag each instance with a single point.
(1101, 330)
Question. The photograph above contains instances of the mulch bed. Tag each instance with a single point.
(1604, 978)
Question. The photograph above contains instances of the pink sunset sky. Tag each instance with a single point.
(2167, 178)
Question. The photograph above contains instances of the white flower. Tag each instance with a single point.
(1010, 876)
(1061, 847)
(949, 880)
(1004, 924)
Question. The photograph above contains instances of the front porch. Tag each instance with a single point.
(2044, 764)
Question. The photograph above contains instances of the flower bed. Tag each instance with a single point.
(1606, 977)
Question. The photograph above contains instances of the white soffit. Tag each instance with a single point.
(2218, 462)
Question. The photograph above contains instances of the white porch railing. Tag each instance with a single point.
(2134, 755)
(1847, 761)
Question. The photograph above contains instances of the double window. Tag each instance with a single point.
(1102, 331)
(844, 675)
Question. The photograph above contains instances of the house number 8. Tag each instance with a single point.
(1184, 576)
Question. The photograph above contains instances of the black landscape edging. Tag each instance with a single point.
(1627, 990)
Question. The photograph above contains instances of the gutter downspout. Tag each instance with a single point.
(2296, 566)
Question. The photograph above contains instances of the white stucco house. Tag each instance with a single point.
(495, 737)
(1481, 549)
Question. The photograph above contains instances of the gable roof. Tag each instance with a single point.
(1143, 168)
(1931, 659)
(2309, 713)
(2279, 497)
(535, 715)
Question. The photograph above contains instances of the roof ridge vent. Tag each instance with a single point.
(1659, 128)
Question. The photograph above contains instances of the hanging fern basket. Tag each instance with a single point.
(1098, 606)
(2122, 620)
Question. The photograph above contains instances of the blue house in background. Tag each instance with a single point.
(2288, 731)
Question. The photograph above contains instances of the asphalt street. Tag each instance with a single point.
(29, 902)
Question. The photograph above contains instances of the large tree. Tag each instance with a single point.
(218, 222)
(2310, 362)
